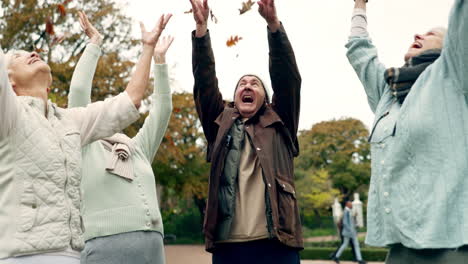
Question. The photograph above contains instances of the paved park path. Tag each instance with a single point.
(196, 254)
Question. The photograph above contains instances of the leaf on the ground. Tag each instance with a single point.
(50, 27)
(246, 6)
(188, 12)
(233, 40)
(213, 17)
(61, 9)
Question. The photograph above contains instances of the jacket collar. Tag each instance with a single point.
(266, 116)
(38, 105)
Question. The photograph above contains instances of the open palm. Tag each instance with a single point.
(150, 38)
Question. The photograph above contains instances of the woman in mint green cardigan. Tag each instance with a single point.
(419, 142)
(120, 209)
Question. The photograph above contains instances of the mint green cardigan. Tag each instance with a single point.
(112, 205)
(418, 193)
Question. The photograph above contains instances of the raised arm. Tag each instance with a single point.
(151, 134)
(140, 77)
(455, 49)
(82, 79)
(208, 99)
(362, 55)
(8, 103)
(285, 77)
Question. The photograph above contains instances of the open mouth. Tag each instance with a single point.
(416, 45)
(248, 99)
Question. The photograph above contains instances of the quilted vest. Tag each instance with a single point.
(40, 174)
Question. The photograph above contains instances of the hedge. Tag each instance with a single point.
(321, 253)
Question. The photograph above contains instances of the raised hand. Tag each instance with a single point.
(150, 38)
(267, 10)
(94, 36)
(201, 11)
(161, 48)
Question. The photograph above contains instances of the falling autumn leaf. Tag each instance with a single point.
(39, 50)
(188, 12)
(213, 17)
(66, 2)
(233, 40)
(246, 6)
(50, 27)
(61, 9)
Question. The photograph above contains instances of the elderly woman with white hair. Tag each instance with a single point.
(40, 150)
(419, 144)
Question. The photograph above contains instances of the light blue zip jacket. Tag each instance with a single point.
(419, 186)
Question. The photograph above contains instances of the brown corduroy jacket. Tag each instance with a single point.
(273, 131)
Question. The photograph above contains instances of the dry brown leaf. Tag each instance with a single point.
(246, 6)
(61, 9)
(188, 12)
(213, 17)
(233, 40)
(50, 27)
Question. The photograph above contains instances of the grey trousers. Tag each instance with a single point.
(139, 247)
(400, 254)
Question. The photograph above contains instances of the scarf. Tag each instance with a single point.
(119, 163)
(402, 79)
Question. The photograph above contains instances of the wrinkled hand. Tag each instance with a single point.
(201, 11)
(94, 36)
(150, 38)
(161, 48)
(267, 10)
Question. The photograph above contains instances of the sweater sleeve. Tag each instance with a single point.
(151, 134)
(455, 49)
(82, 79)
(362, 55)
(8, 101)
(104, 118)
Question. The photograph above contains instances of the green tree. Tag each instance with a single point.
(315, 192)
(340, 147)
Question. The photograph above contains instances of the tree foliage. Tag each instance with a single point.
(51, 28)
(180, 164)
(340, 147)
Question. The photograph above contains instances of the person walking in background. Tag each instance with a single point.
(120, 208)
(419, 144)
(252, 214)
(349, 234)
(40, 165)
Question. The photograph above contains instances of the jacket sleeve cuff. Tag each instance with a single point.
(201, 43)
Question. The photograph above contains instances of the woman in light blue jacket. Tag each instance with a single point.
(419, 142)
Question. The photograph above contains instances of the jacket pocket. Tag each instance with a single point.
(28, 212)
(286, 204)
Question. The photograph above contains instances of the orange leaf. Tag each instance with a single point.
(66, 2)
(246, 6)
(39, 50)
(188, 12)
(233, 40)
(213, 17)
(61, 9)
(49, 27)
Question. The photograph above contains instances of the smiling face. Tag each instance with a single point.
(249, 96)
(433, 39)
(27, 68)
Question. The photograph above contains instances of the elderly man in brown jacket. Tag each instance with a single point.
(252, 214)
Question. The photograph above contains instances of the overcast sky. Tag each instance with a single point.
(318, 31)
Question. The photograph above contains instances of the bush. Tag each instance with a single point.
(183, 227)
(368, 254)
